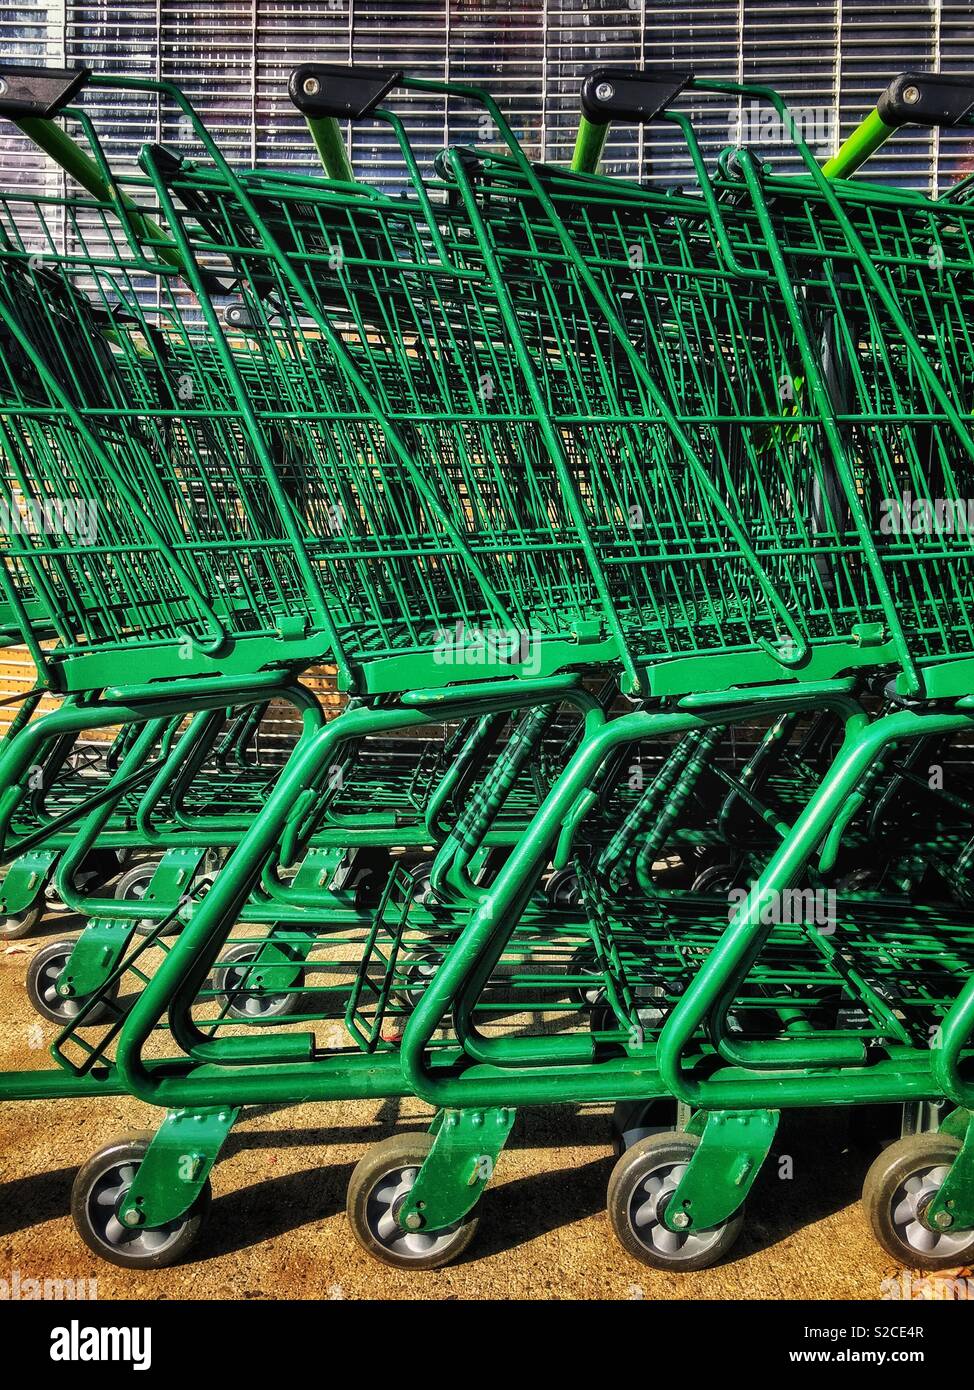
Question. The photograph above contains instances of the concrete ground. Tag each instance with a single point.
(277, 1227)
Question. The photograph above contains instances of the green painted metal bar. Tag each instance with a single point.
(292, 528)
(451, 866)
(210, 643)
(327, 136)
(27, 748)
(798, 652)
(336, 345)
(461, 977)
(865, 140)
(78, 165)
(589, 145)
(174, 986)
(729, 961)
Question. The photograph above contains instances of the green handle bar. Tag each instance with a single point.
(32, 98)
(325, 93)
(913, 98)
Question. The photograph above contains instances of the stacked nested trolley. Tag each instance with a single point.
(507, 450)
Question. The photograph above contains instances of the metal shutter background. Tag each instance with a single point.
(233, 57)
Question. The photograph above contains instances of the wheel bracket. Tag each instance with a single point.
(952, 1206)
(459, 1166)
(169, 886)
(97, 952)
(276, 966)
(23, 883)
(177, 1163)
(732, 1149)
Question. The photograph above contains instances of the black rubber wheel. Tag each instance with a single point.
(640, 1186)
(42, 977)
(583, 961)
(634, 1120)
(415, 968)
(715, 880)
(245, 993)
(134, 884)
(377, 1187)
(20, 924)
(421, 873)
(96, 1195)
(899, 1187)
(563, 889)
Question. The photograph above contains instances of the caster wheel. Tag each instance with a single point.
(133, 885)
(642, 1182)
(583, 961)
(421, 873)
(563, 889)
(633, 1120)
(96, 1196)
(416, 969)
(20, 924)
(43, 974)
(244, 992)
(898, 1189)
(376, 1190)
(716, 879)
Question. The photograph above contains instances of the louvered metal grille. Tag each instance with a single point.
(829, 57)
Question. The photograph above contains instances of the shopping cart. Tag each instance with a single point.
(698, 602)
(905, 612)
(100, 611)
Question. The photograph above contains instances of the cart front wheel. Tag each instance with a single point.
(244, 991)
(899, 1188)
(633, 1120)
(97, 1196)
(377, 1189)
(133, 885)
(20, 924)
(640, 1188)
(417, 967)
(563, 889)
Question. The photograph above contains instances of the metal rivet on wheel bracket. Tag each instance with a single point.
(604, 91)
(311, 86)
(680, 1220)
(911, 95)
(413, 1221)
(132, 1218)
(943, 1219)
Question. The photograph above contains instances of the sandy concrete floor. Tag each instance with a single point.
(277, 1227)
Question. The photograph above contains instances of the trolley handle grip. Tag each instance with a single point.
(927, 98)
(631, 94)
(913, 98)
(342, 92)
(621, 94)
(38, 93)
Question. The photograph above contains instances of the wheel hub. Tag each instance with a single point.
(909, 1208)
